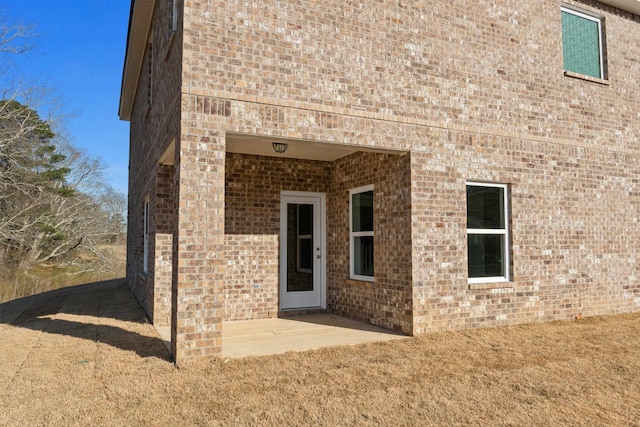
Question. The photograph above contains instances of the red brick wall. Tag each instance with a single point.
(387, 301)
(495, 66)
(152, 129)
(163, 251)
(252, 227)
(574, 234)
(474, 91)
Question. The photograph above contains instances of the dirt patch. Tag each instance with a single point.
(102, 364)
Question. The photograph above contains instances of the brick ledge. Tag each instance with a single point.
(474, 129)
(485, 286)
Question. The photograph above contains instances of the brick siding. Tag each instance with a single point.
(387, 301)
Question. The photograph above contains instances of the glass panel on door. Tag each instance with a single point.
(299, 247)
(301, 251)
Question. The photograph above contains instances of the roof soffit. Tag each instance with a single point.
(139, 24)
(632, 6)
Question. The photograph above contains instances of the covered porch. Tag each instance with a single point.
(289, 245)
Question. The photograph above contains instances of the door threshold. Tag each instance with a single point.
(292, 312)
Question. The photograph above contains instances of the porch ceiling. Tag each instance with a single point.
(297, 149)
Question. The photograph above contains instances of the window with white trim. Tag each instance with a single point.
(582, 42)
(361, 237)
(145, 239)
(487, 232)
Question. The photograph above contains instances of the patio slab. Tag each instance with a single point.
(275, 336)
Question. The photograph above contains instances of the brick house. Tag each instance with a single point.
(418, 165)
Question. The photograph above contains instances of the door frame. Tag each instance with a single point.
(287, 197)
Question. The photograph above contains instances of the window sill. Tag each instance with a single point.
(356, 282)
(492, 285)
(587, 78)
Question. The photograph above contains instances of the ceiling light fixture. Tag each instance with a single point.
(279, 147)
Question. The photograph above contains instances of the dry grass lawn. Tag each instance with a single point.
(79, 368)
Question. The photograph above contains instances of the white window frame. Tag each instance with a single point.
(490, 231)
(353, 234)
(595, 18)
(174, 16)
(145, 239)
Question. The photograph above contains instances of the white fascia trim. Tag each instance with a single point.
(139, 25)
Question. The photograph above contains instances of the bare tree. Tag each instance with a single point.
(54, 199)
(54, 203)
(13, 36)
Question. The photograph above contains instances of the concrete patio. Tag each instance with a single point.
(275, 336)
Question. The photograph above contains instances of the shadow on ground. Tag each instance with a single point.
(104, 312)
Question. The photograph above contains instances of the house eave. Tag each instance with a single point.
(138, 34)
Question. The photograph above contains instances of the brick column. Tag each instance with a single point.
(162, 266)
(198, 261)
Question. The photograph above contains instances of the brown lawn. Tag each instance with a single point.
(79, 368)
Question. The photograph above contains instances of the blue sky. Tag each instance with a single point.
(79, 53)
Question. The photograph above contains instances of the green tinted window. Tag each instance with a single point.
(581, 45)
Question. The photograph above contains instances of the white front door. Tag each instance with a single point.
(302, 250)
